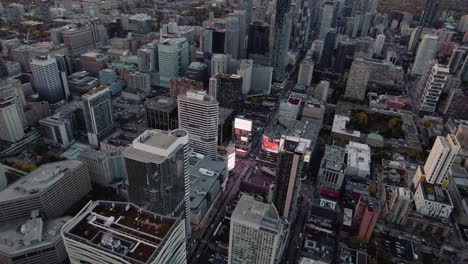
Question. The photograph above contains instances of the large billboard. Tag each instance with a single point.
(270, 144)
(231, 162)
(243, 124)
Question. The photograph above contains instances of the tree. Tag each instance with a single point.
(26, 167)
(373, 190)
(354, 242)
(40, 147)
(393, 123)
(386, 258)
(359, 120)
(427, 123)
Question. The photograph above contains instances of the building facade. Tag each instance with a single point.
(198, 113)
(158, 173)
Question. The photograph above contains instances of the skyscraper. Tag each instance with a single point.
(173, 58)
(227, 89)
(46, 78)
(357, 81)
(131, 234)
(148, 58)
(161, 113)
(427, 51)
(97, 109)
(281, 36)
(158, 173)
(328, 47)
(44, 12)
(414, 39)
(327, 16)
(379, 43)
(257, 233)
(219, 64)
(439, 161)
(433, 87)
(11, 128)
(199, 115)
(429, 14)
(302, 25)
(259, 34)
(288, 174)
(457, 59)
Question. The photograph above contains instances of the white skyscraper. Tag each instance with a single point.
(245, 70)
(327, 16)
(414, 39)
(306, 70)
(46, 76)
(11, 128)
(433, 87)
(257, 233)
(199, 115)
(174, 59)
(437, 166)
(219, 64)
(427, 51)
(379, 43)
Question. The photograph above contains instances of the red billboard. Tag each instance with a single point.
(270, 145)
(330, 193)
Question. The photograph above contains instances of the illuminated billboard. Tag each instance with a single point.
(243, 124)
(270, 144)
(231, 162)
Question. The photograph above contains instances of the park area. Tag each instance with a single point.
(386, 125)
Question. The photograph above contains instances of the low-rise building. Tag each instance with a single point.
(32, 240)
(206, 179)
(358, 160)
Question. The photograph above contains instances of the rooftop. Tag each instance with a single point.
(162, 103)
(121, 229)
(358, 155)
(197, 65)
(435, 193)
(256, 214)
(39, 180)
(334, 158)
(295, 128)
(352, 256)
(27, 234)
(155, 146)
(204, 173)
(339, 126)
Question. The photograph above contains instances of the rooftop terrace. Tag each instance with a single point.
(122, 229)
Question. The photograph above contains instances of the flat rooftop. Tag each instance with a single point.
(255, 214)
(204, 173)
(122, 229)
(39, 180)
(352, 256)
(155, 146)
(295, 128)
(435, 193)
(37, 234)
(334, 158)
(339, 126)
(162, 103)
(359, 155)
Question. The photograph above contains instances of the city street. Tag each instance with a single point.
(202, 238)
